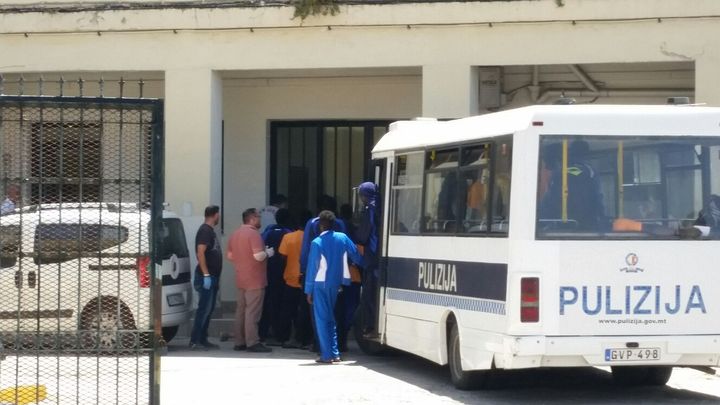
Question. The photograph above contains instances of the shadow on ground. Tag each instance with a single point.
(551, 385)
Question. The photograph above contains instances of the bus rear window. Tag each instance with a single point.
(628, 187)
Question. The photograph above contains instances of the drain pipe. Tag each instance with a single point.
(584, 78)
(535, 87)
(660, 93)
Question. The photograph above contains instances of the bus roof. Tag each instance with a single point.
(590, 119)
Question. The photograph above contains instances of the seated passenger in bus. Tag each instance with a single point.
(447, 198)
(476, 199)
(710, 216)
(585, 210)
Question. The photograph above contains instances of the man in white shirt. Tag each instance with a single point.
(11, 200)
(267, 214)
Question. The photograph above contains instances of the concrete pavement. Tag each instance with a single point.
(291, 377)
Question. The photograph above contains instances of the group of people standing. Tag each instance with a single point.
(299, 282)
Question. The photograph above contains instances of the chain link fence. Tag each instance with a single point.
(82, 182)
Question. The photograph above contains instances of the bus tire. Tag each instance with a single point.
(630, 375)
(462, 379)
(658, 375)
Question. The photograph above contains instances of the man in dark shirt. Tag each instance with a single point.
(207, 277)
(271, 315)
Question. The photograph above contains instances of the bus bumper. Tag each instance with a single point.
(578, 351)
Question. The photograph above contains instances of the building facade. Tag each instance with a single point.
(258, 102)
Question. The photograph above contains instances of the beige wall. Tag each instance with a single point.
(202, 59)
(250, 104)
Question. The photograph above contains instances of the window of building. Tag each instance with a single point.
(65, 162)
(310, 159)
(407, 192)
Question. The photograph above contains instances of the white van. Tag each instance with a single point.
(86, 267)
(177, 288)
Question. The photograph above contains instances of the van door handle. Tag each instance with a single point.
(32, 279)
(18, 279)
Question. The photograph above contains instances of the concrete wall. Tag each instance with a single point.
(215, 64)
(250, 104)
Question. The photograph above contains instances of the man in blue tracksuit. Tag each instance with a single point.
(327, 269)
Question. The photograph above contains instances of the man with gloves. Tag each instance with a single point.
(207, 276)
(249, 255)
(327, 269)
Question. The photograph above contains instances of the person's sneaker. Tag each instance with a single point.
(259, 348)
(292, 345)
(272, 342)
(321, 361)
(240, 348)
(198, 347)
(370, 334)
(337, 360)
(211, 346)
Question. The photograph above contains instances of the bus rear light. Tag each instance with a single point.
(143, 271)
(529, 299)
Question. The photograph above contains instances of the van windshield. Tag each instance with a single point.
(171, 239)
(628, 187)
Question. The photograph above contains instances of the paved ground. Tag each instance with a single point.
(292, 377)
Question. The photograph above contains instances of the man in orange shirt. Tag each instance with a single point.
(292, 316)
(249, 255)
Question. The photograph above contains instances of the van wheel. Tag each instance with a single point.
(653, 375)
(104, 323)
(462, 379)
(658, 375)
(169, 332)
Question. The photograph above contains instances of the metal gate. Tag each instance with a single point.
(82, 183)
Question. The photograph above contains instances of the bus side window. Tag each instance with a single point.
(500, 204)
(441, 192)
(407, 192)
(474, 188)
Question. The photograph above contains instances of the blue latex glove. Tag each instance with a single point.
(207, 282)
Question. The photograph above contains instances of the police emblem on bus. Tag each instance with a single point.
(632, 260)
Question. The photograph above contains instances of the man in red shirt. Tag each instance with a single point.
(249, 255)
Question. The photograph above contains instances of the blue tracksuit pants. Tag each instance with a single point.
(324, 299)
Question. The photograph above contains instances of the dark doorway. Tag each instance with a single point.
(312, 158)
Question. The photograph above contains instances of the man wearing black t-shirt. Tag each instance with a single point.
(207, 277)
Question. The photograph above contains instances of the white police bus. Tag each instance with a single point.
(609, 260)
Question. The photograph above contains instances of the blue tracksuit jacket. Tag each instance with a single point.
(328, 261)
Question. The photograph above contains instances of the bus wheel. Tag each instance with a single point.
(462, 379)
(629, 375)
(658, 375)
